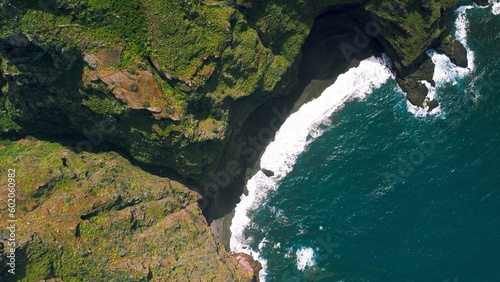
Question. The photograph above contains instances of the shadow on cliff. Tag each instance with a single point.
(322, 61)
(46, 91)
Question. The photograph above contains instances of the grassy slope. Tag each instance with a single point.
(209, 51)
(413, 25)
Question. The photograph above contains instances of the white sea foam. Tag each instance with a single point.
(293, 137)
(305, 258)
(495, 9)
(263, 244)
(431, 95)
(461, 25)
(445, 72)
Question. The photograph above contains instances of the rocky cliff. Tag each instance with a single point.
(96, 217)
(171, 84)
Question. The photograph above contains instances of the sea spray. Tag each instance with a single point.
(293, 137)
(445, 72)
(495, 9)
(305, 258)
(461, 25)
(422, 229)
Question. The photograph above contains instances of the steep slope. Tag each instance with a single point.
(96, 217)
(171, 83)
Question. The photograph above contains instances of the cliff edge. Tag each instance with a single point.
(171, 85)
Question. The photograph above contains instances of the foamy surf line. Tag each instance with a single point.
(292, 138)
(461, 25)
(495, 9)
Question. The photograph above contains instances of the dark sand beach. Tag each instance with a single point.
(321, 63)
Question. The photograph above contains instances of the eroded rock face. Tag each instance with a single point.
(482, 2)
(171, 85)
(248, 263)
(96, 217)
(416, 91)
(180, 105)
(104, 58)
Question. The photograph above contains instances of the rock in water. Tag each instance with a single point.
(454, 50)
(432, 104)
(416, 92)
(248, 263)
(483, 3)
(268, 172)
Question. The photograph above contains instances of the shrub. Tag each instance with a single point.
(134, 87)
(146, 104)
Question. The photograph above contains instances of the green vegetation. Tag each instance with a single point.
(204, 28)
(216, 60)
(105, 106)
(134, 87)
(99, 218)
(412, 26)
(7, 110)
(84, 25)
(220, 49)
(118, 215)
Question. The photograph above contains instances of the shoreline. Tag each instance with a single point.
(315, 75)
(292, 140)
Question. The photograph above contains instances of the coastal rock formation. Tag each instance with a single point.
(248, 263)
(210, 66)
(482, 2)
(411, 84)
(454, 50)
(172, 86)
(96, 217)
(416, 91)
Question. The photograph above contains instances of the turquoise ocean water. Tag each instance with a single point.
(375, 191)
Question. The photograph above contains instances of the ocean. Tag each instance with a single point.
(368, 188)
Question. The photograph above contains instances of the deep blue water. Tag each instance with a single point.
(374, 205)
